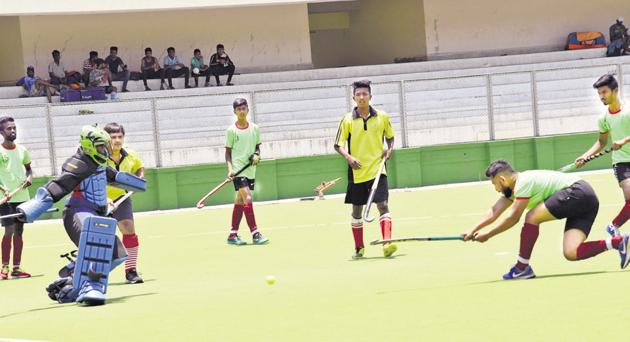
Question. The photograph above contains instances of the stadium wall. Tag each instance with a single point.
(181, 187)
(11, 53)
(258, 38)
(377, 33)
(491, 27)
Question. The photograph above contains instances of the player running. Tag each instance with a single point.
(242, 146)
(548, 195)
(85, 175)
(127, 160)
(615, 123)
(360, 141)
(15, 173)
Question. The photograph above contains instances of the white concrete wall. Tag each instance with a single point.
(39, 7)
(491, 27)
(255, 37)
(11, 51)
(379, 32)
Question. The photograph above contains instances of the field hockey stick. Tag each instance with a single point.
(51, 210)
(113, 208)
(366, 212)
(8, 196)
(572, 166)
(429, 238)
(200, 204)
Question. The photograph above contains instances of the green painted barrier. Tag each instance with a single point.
(180, 187)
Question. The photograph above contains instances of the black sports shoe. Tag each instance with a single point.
(133, 277)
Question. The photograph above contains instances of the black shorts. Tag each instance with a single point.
(242, 182)
(577, 203)
(124, 211)
(622, 171)
(8, 209)
(358, 193)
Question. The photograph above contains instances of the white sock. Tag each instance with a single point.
(609, 243)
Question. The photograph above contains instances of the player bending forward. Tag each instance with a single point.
(548, 195)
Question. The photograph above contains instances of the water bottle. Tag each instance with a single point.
(113, 96)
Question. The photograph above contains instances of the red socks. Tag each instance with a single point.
(529, 235)
(18, 243)
(386, 226)
(357, 232)
(248, 210)
(592, 248)
(237, 215)
(6, 249)
(623, 215)
(130, 241)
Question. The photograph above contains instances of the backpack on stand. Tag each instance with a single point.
(585, 40)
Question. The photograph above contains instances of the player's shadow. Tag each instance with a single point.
(250, 244)
(562, 275)
(125, 283)
(124, 299)
(24, 279)
(56, 306)
(377, 258)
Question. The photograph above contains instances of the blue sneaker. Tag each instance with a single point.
(515, 273)
(612, 230)
(623, 251)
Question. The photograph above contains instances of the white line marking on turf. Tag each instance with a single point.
(48, 246)
(292, 200)
(335, 196)
(501, 253)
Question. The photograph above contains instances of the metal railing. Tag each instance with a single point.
(186, 130)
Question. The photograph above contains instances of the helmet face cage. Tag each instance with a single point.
(106, 153)
(91, 138)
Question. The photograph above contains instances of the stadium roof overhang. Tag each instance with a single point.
(56, 7)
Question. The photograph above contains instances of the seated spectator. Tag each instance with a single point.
(221, 64)
(56, 70)
(114, 62)
(150, 68)
(88, 66)
(58, 73)
(35, 86)
(101, 77)
(197, 68)
(173, 67)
